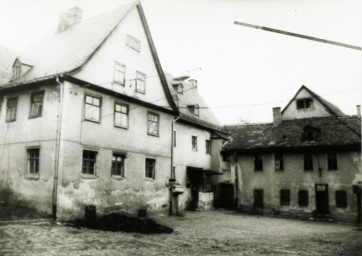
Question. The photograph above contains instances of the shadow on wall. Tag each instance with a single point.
(12, 208)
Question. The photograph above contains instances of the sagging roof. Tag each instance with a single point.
(331, 108)
(334, 132)
(191, 97)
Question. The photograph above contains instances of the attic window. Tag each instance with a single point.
(180, 89)
(16, 71)
(304, 103)
(310, 134)
(133, 43)
(195, 109)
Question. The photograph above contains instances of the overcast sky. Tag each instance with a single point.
(244, 72)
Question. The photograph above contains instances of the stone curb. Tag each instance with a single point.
(34, 221)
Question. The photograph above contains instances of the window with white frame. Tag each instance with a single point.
(92, 108)
(33, 160)
(140, 82)
(133, 43)
(36, 107)
(153, 123)
(121, 115)
(11, 109)
(150, 168)
(118, 164)
(119, 75)
(89, 161)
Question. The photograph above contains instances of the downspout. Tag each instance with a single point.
(172, 146)
(57, 147)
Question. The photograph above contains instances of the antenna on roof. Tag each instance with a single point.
(354, 47)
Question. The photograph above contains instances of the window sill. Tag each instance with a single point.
(92, 121)
(10, 121)
(140, 92)
(279, 170)
(32, 117)
(89, 176)
(150, 179)
(154, 135)
(332, 170)
(118, 177)
(121, 127)
(119, 83)
(308, 170)
(32, 176)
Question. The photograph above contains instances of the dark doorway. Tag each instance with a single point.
(195, 179)
(226, 196)
(321, 199)
(357, 192)
(258, 198)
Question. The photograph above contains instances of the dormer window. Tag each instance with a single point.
(304, 103)
(310, 134)
(195, 109)
(16, 71)
(180, 89)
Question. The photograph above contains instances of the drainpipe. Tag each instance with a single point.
(172, 146)
(57, 147)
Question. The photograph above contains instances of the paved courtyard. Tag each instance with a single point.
(198, 233)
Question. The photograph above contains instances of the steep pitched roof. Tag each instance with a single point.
(7, 58)
(67, 52)
(71, 49)
(191, 97)
(331, 108)
(334, 132)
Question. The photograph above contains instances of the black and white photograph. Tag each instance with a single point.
(180, 127)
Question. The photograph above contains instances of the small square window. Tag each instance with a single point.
(285, 197)
(118, 165)
(120, 115)
(208, 146)
(303, 198)
(33, 160)
(258, 163)
(194, 109)
(133, 43)
(140, 82)
(341, 199)
(11, 109)
(194, 143)
(36, 107)
(332, 161)
(150, 168)
(308, 162)
(119, 75)
(278, 162)
(89, 162)
(153, 124)
(92, 108)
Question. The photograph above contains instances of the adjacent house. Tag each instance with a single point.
(197, 141)
(87, 118)
(306, 163)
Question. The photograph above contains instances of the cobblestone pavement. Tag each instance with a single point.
(198, 233)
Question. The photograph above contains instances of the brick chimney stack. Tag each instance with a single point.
(71, 17)
(358, 111)
(277, 116)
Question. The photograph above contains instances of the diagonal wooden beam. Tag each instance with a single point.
(298, 35)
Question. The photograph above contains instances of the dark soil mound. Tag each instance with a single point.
(116, 222)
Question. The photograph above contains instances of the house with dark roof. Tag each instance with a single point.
(307, 163)
(87, 118)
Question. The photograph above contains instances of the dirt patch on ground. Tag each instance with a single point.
(117, 222)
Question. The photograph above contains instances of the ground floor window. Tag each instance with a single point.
(89, 162)
(285, 197)
(303, 198)
(118, 164)
(341, 199)
(258, 198)
(150, 168)
(33, 160)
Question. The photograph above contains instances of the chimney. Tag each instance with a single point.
(193, 83)
(358, 111)
(67, 19)
(277, 116)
